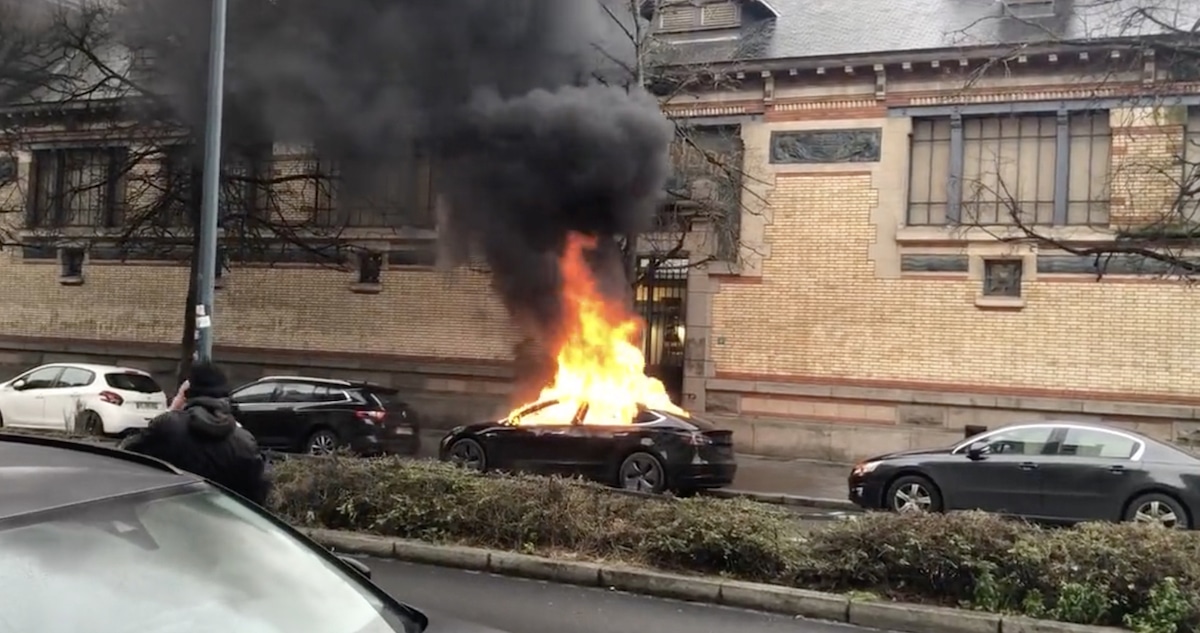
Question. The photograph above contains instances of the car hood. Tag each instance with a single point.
(910, 453)
(439, 623)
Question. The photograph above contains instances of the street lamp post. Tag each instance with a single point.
(207, 268)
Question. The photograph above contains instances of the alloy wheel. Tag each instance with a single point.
(322, 443)
(641, 473)
(1156, 513)
(912, 497)
(467, 454)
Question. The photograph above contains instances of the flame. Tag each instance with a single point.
(598, 362)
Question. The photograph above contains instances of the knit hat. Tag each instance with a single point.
(206, 380)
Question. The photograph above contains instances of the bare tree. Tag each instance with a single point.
(1144, 200)
(703, 205)
(127, 185)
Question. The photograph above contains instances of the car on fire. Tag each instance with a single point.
(1057, 472)
(657, 451)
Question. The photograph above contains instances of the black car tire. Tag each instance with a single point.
(89, 423)
(1158, 509)
(642, 472)
(913, 493)
(322, 442)
(469, 454)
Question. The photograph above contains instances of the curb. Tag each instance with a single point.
(891, 616)
(785, 499)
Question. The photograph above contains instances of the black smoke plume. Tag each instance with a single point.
(530, 144)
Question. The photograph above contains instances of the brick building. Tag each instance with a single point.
(872, 306)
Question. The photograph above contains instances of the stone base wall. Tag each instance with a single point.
(840, 422)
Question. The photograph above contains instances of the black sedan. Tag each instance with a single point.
(1059, 472)
(659, 451)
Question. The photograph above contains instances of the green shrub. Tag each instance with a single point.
(1145, 578)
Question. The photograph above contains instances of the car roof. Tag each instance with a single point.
(333, 382)
(41, 473)
(99, 369)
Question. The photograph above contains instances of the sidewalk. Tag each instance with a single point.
(761, 475)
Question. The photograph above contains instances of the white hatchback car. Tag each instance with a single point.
(94, 399)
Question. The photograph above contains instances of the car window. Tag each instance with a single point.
(42, 378)
(1023, 441)
(255, 393)
(326, 393)
(294, 392)
(191, 562)
(550, 413)
(129, 381)
(1097, 443)
(75, 377)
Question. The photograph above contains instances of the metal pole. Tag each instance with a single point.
(212, 184)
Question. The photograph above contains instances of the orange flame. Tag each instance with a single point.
(598, 362)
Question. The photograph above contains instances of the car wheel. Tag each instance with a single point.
(90, 423)
(322, 442)
(468, 454)
(1158, 509)
(642, 472)
(912, 494)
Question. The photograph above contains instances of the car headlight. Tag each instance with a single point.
(866, 468)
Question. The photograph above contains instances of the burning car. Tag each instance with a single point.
(655, 451)
(601, 416)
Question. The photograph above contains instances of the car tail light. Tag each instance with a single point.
(371, 417)
(699, 439)
(112, 398)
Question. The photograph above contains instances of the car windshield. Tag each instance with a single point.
(189, 561)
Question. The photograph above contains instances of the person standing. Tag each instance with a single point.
(199, 434)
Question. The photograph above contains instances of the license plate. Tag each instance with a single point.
(147, 405)
(403, 430)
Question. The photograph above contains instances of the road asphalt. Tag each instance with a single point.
(514, 605)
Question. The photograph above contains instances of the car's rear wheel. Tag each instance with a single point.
(322, 442)
(89, 423)
(913, 494)
(469, 454)
(1158, 509)
(642, 472)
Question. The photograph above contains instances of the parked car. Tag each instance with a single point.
(1063, 472)
(658, 451)
(319, 415)
(94, 399)
(102, 540)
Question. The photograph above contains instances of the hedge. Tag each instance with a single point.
(1142, 577)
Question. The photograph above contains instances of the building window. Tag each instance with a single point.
(1189, 181)
(370, 268)
(81, 187)
(71, 259)
(1041, 169)
(686, 16)
(246, 183)
(1002, 277)
(400, 192)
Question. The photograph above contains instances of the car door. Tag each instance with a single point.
(296, 410)
(67, 396)
(539, 443)
(23, 402)
(254, 406)
(1006, 479)
(1092, 474)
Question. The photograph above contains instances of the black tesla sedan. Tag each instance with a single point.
(659, 451)
(1060, 472)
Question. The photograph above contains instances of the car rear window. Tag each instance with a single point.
(132, 382)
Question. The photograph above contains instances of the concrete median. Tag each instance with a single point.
(891, 616)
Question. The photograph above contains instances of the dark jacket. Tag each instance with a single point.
(204, 438)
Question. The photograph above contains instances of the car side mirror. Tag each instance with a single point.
(357, 565)
(18, 384)
(977, 450)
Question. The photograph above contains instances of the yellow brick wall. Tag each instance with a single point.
(1147, 144)
(820, 310)
(419, 312)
